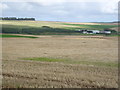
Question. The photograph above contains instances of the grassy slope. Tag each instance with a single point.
(16, 36)
(55, 24)
(99, 27)
(34, 24)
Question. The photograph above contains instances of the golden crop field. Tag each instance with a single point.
(35, 23)
(53, 61)
(59, 24)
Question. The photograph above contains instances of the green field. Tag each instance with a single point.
(16, 36)
(98, 27)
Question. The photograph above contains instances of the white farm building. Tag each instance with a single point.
(95, 31)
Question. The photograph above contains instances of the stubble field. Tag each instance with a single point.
(83, 62)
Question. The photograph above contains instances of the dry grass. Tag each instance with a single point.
(25, 73)
(50, 24)
(36, 24)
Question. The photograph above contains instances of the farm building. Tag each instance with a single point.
(107, 32)
(90, 31)
(95, 31)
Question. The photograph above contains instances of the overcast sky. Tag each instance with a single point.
(62, 10)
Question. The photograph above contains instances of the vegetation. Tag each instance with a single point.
(49, 28)
(44, 30)
(45, 59)
(14, 18)
(107, 64)
(99, 27)
(16, 36)
(60, 62)
(57, 61)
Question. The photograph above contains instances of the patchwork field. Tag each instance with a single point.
(53, 28)
(60, 61)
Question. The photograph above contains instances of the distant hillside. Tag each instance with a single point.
(108, 22)
(116, 22)
(51, 28)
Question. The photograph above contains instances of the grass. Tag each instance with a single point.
(16, 36)
(101, 27)
(37, 31)
(45, 59)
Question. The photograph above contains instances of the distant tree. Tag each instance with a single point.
(14, 18)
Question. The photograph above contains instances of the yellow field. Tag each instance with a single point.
(35, 23)
(91, 62)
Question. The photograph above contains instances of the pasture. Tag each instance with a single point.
(88, 26)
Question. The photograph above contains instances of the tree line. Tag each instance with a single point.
(14, 18)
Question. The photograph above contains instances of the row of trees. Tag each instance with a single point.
(14, 18)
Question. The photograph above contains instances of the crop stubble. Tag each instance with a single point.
(24, 73)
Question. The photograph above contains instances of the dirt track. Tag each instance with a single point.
(20, 73)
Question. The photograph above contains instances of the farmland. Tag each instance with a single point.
(58, 61)
(98, 27)
(51, 28)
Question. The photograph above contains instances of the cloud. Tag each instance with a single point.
(49, 2)
(25, 6)
(3, 6)
(15, 6)
(110, 8)
(106, 5)
(55, 1)
(71, 10)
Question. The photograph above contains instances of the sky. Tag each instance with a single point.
(62, 10)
